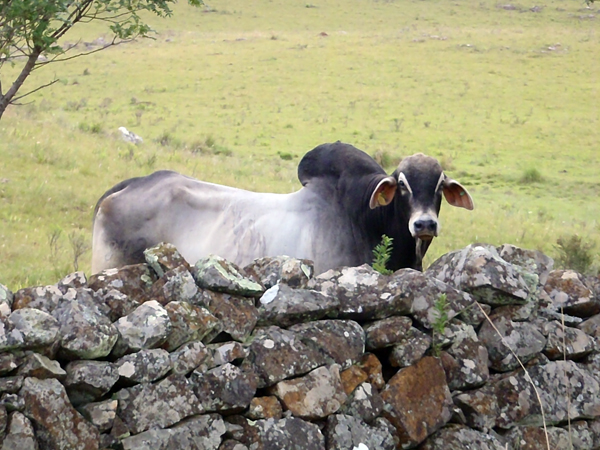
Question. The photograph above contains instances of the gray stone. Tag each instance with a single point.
(289, 433)
(228, 352)
(386, 332)
(57, 424)
(232, 444)
(456, 437)
(313, 396)
(101, 414)
(276, 354)
(534, 438)
(75, 280)
(339, 341)
(144, 366)
(283, 306)
(348, 432)
(135, 281)
(159, 405)
(217, 274)
(39, 366)
(28, 328)
(591, 326)
(224, 389)
(190, 356)
(12, 402)
(118, 303)
(467, 363)
(475, 314)
(569, 294)
(264, 408)
(148, 326)
(176, 285)
(566, 342)
(196, 433)
(9, 362)
(189, 323)
(164, 257)
(270, 271)
(237, 314)
(364, 403)
(87, 381)
(410, 349)
(532, 261)
(44, 298)
(480, 271)
(20, 434)
(6, 301)
(11, 385)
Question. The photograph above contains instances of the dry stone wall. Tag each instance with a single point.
(164, 355)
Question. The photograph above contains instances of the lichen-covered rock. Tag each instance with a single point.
(532, 261)
(456, 437)
(100, 414)
(44, 298)
(410, 349)
(217, 274)
(6, 301)
(276, 354)
(364, 402)
(267, 407)
(196, 433)
(176, 285)
(566, 342)
(228, 352)
(339, 341)
(57, 423)
(475, 314)
(466, 363)
(352, 377)
(534, 438)
(75, 280)
(313, 396)
(135, 281)
(19, 434)
(569, 294)
(348, 432)
(522, 337)
(232, 444)
(480, 271)
(224, 389)
(237, 315)
(190, 356)
(148, 326)
(159, 405)
(372, 366)
(164, 257)
(386, 332)
(87, 381)
(9, 362)
(39, 366)
(591, 326)
(84, 332)
(283, 306)
(11, 385)
(290, 433)
(189, 323)
(417, 401)
(362, 293)
(28, 328)
(270, 271)
(144, 366)
(118, 304)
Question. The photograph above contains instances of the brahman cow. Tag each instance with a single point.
(346, 204)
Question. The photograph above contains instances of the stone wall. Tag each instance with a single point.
(167, 356)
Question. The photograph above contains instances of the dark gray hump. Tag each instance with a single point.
(333, 160)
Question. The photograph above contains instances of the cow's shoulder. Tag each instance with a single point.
(330, 162)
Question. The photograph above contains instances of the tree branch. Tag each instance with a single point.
(15, 99)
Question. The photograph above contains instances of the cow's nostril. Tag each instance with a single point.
(426, 225)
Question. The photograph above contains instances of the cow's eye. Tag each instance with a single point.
(401, 184)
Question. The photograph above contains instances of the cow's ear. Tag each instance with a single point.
(456, 194)
(383, 193)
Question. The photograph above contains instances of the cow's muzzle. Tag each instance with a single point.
(424, 226)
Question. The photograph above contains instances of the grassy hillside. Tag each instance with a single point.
(506, 96)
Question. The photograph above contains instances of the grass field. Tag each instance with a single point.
(505, 95)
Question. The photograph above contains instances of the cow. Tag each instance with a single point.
(346, 204)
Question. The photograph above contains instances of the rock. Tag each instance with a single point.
(532, 261)
(283, 306)
(228, 352)
(347, 432)
(148, 326)
(313, 396)
(39, 366)
(264, 408)
(101, 415)
(135, 281)
(189, 357)
(224, 389)
(84, 333)
(339, 341)
(164, 257)
(75, 280)
(534, 438)
(57, 424)
(118, 303)
(364, 403)
(352, 377)
(568, 291)
(386, 332)
(159, 405)
(28, 328)
(43, 298)
(566, 342)
(417, 401)
(475, 314)
(591, 326)
(20, 434)
(410, 349)
(189, 323)
(466, 364)
(522, 337)
(217, 274)
(276, 354)
(196, 433)
(290, 433)
(480, 271)
(456, 437)
(238, 315)
(270, 271)
(11, 385)
(372, 366)
(582, 435)
(6, 301)
(87, 381)
(8, 362)
(176, 285)
(362, 293)
(144, 366)
(12, 402)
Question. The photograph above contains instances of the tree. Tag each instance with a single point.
(32, 28)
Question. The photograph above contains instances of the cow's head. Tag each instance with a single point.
(416, 188)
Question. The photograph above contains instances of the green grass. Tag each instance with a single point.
(222, 95)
